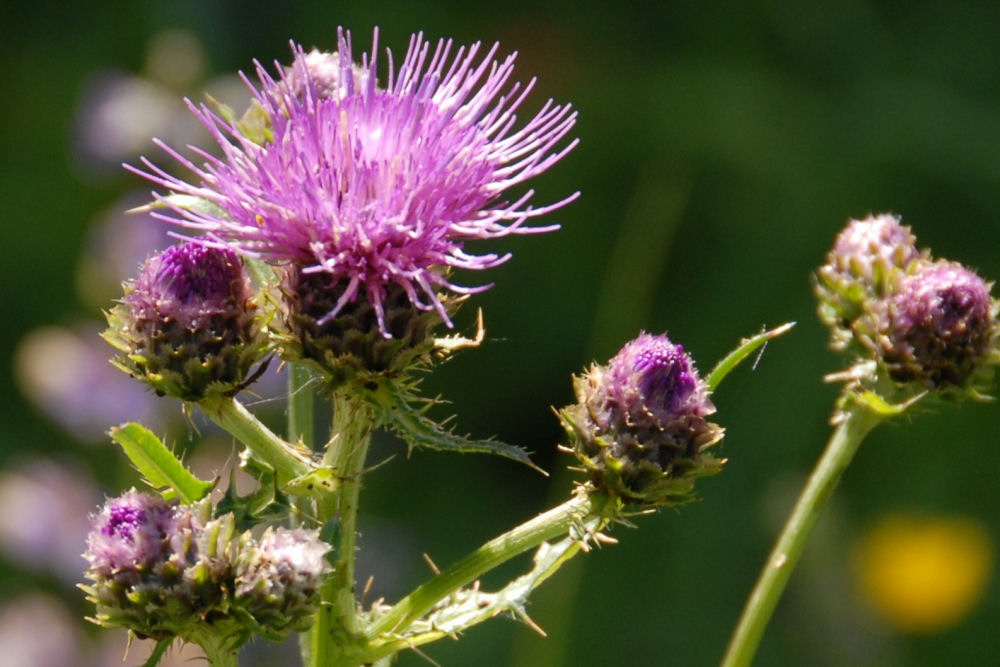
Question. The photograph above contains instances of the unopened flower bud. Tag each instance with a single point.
(188, 325)
(939, 326)
(639, 426)
(278, 579)
(866, 259)
(160, 570)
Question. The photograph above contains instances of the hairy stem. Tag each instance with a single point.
(288, 462)
(857, 421)
(335, 631)
(554, 523)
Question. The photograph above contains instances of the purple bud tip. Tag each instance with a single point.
(186, 281)
(123, 521)
(880, 237)
(129, 533)
(652, 374)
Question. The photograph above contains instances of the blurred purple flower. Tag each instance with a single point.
(67, 375)
(45, 518)
(378, 187)
(38, 631)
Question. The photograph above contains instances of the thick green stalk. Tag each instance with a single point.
(301, 412)
(287, 461)
(334, 634)
(858, 420)
(556, 522)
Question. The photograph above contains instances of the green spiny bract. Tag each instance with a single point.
(352, 343)
(639, 424)
(188, 325)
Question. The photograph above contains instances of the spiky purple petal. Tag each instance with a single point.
(380, 186)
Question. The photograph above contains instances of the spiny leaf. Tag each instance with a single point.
(746, 347)
(417, 430)
(158, 464)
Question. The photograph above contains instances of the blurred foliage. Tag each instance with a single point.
(723, 146)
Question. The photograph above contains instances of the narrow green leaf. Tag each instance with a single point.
(746, 347)
(261, 271)
(186, 202)
(883, 408)
(417, 430)
(158, 464)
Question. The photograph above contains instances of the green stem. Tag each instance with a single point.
(301, 412)
(549, 525)
(335, 630)
(287, 461)
(301, 400)
(220, 653)
(858, 420)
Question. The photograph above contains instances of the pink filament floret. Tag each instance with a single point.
(375, 185)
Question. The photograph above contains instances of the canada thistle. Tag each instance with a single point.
(639, 425)
(912, 319)
(366, 194)
(188, 325)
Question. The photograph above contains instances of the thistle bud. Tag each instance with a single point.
(160, 570)
(867, 257)
(188, 325)
(939, 327)
(330, 322)
(278, 579)
(639, 425)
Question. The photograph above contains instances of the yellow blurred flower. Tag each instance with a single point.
(923, 574)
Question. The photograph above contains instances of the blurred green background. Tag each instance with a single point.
(723, 145)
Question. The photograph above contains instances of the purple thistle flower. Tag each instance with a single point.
(130, 534)
(639, 425)
(939, 325)
(379, 187)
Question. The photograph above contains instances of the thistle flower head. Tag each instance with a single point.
(278, 579)
(639, 425)
(187, 324)
(939, 326)
(378, 186)
(867, 257)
